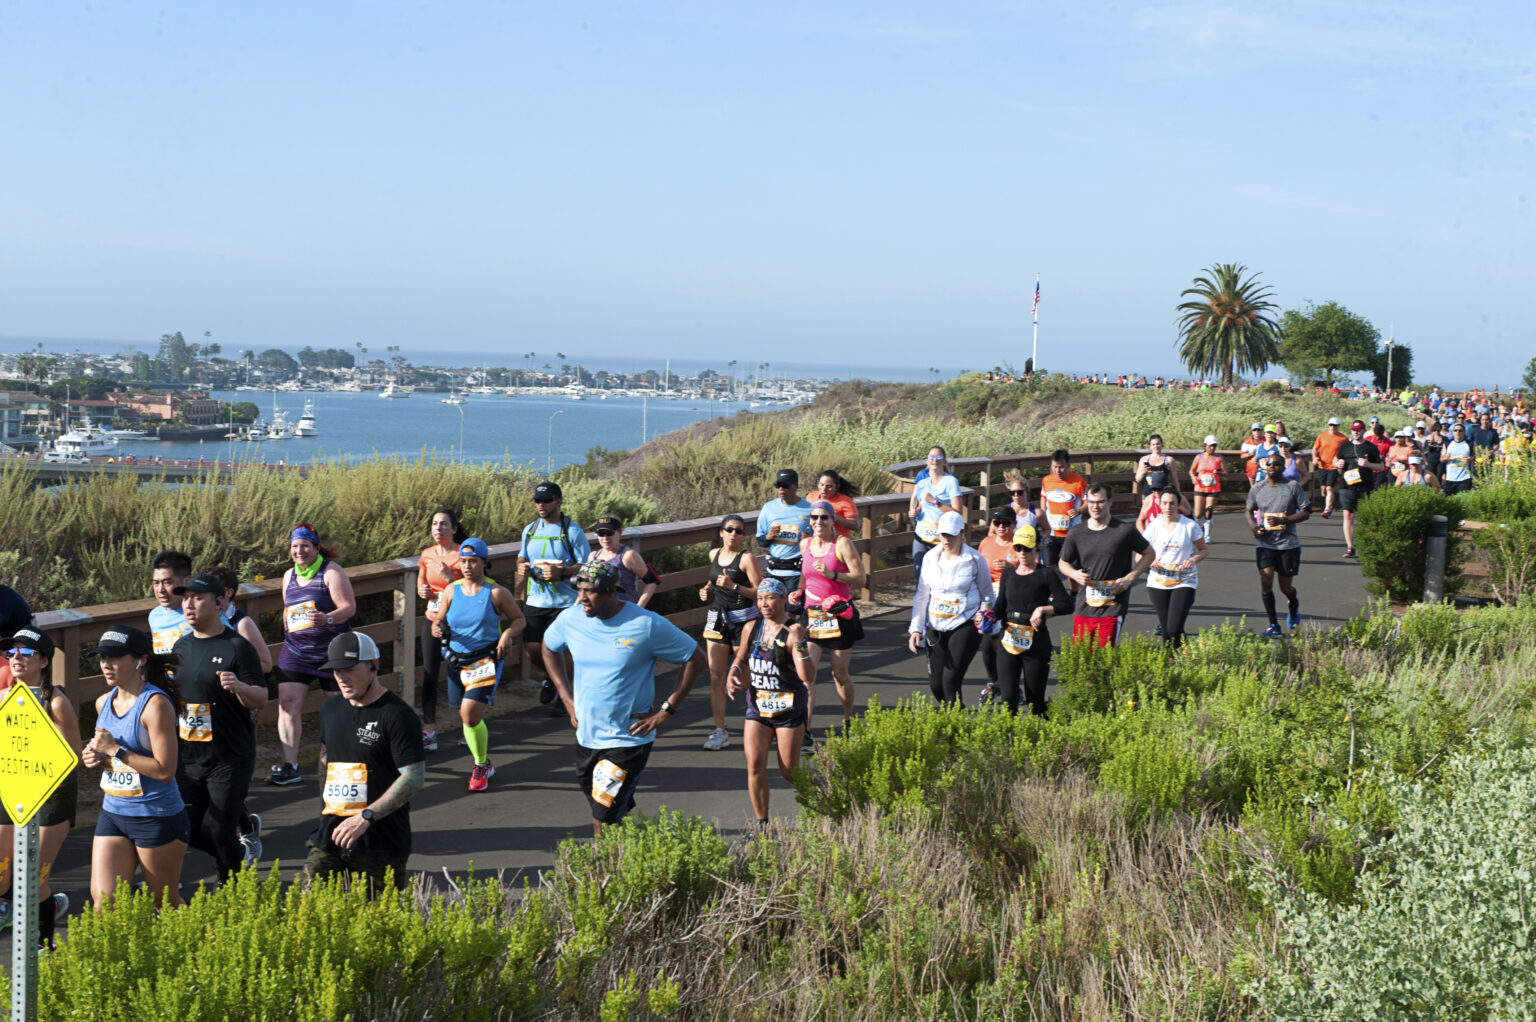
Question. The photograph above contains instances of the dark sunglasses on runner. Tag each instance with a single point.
(546, 500)
(25, 654)
(821, 518)
(732, 528)
(604, 532)
(1018, 493)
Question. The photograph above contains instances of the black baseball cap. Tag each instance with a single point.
(547, 491)
(609, 522)
(348, 650)
(200, 583)
(1004, 514)
(124, 639)
(30, 638)
(787, 477)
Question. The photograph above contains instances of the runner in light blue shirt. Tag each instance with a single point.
(615, 646)
(782, 524)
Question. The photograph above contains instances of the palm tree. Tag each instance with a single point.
(1225, 327)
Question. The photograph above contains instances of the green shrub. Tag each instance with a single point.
(1510, 549)
(1390, 529)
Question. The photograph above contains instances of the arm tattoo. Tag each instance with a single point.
(409, 782)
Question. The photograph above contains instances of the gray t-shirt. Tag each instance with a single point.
(1287, 498)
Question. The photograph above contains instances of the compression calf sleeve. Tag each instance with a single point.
(478, 738)
(1269, 607)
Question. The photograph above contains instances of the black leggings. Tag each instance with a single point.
(215, 797)
(1172, 606)
(989, 649)
(431, 667)
(1035, 670)
(949, 654)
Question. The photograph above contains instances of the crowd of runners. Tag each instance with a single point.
(175, 734)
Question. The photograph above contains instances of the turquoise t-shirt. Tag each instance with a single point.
(542, 542)
(615, 668)
(796, 515)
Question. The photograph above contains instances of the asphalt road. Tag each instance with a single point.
(533, 801)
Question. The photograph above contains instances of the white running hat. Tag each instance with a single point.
(1210, 440)
(1333, 420)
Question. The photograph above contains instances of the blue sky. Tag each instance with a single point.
(858, 183)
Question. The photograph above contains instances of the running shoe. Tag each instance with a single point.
(1327, 512)
(988, 693)
(1272, 632)
(1158, 632)
(807, 743)
(429, 740)
(547, 693)
(1293, 619)
(285, 774)
(250, 840)
(480, 776)
(718, 739)
(1351, 552)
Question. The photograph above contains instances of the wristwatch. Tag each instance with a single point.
(367, 814)
(667, 707)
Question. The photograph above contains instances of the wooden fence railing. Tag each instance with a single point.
(885, 529)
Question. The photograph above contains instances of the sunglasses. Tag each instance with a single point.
(19, 651)
(783, 486)
(545, 500)
(605, 532)
(1018, 493)
(732, 528)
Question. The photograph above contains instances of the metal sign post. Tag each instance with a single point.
(34, 760)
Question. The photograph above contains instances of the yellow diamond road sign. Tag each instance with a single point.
(34, 757)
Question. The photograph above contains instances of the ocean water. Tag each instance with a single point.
(527, 430)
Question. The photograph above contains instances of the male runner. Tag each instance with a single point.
(1275, 506)
(1103, 556)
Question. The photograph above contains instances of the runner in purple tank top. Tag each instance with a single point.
(317, 604)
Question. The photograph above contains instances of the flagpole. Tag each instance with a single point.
(1034, 349)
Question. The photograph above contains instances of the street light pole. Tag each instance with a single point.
(461, 431)
(549, 453)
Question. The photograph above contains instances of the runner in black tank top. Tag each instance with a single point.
(731, 594)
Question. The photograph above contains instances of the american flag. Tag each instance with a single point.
(1035, 309)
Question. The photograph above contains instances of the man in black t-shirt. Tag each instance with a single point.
(222, 686)
(1358, 461)
(1103, 556)
(375, 763)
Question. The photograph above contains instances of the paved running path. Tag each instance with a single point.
(533, 801)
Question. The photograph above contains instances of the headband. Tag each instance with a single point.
(772, 585)
(304, 531)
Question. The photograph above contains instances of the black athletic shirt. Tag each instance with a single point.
(1105, 554)
(383, 736)
(1019, 595)
(234, 726)
(1351, 455)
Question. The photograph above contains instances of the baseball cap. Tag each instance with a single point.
(787, 477)
(1333, 420)
(1271, 428)
(30, 638)
(1285, 441)
(200, 583)
(348, 650)
(1211, 440)
(1357, 424)
(1375, 418)
(609, 522)
(1258, 426)
(1026, 537)
(121, 639)
(1414, 459)
(1004, 514)
(475, 547)
(1420, 425)
(599, 575)
(951, 524)
(546, 491)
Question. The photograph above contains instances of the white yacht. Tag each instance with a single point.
(306, 426)
(279, 428)
(392, 392)
(86, 442)
(453, 398)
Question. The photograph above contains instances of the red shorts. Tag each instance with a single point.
(1105, 630)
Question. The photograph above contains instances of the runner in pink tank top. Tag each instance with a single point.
(830, 568)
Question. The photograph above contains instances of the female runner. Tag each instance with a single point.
(1156, 471)
(774, 666)
(1172, 579)
(1027, 596)
(143, 822)
(476, 647)
(955, 583)
(732, 589)
(317, 603)
(830, 568)
(637, 582)
(30, 653)
(839, 492)
(1205, 475)
(436, 568)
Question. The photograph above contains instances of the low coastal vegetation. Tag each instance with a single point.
(1336, 827)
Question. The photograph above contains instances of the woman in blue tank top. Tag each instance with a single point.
(143, 823)
(317, 605)
(474, 647)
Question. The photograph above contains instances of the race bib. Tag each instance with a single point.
(479, 674)
(712, 626)
(607, 778)
(928, 531)
(1274, 521)
(789, 532)
(165, 639)
(944, 609)
(346, 789)
(1207, 478)
(822, 624)
(435, 605)
(1165, 578)
(196, 723)
(1018, 638)
(1352, 476)
(1097, 594)
(548, 569)
(771, 703)
(296, 617)
(120, 781)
